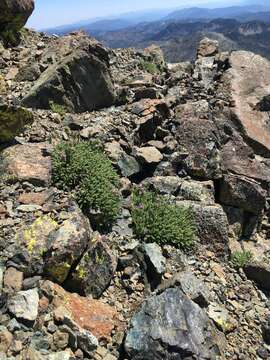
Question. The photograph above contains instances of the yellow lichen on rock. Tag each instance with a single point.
(34, 237)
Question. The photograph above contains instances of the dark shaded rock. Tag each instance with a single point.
(260, 273)
(78, 81)
(243, 193)
(95, 270)
(170, 326)
(12, 121)
(29, 73)
(266, 330)
(14, 14)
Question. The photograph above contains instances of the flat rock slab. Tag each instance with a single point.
(249, 83)
(29, 162)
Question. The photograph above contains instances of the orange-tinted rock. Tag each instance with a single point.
(29, 162)
(35, 198)
(146, 107)
(92, 315)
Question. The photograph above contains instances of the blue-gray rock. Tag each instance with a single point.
(170, 326)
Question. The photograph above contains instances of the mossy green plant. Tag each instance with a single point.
(156, 219)
(84, 168)
(57, 108)
(150, 67)
(241, 258)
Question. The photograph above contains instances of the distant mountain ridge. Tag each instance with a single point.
(178, 32)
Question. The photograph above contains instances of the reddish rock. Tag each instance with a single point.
(147, 107)
(92, 315)
(29, 162)
(35, 198)
(13, 280)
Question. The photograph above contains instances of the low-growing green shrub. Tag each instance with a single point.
(84, 168)
(241, 258)
(150, 67)
(155, 219)
(57, 108)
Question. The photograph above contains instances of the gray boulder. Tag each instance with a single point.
(170, 326)
(79, 80)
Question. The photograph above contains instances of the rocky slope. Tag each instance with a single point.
(197, 133)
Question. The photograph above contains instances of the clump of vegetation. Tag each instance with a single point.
(84, 168)
(57, 108)
(150, 67)
(241, 258)
(155, 219)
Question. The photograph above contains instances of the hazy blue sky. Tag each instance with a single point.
(57, 12)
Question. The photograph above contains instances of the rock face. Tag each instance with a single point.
(249, 83)
(14, 14)
(79, 80)
(170, 326)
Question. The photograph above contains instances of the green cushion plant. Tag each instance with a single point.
(83, 168)
(156, 219)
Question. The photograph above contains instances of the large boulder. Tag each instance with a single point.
(170, 326)
(91, 315)
(248, 84)
(46, 247)
(12, 121)
(79, 80)
(14, 14)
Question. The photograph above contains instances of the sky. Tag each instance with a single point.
(50, 13)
